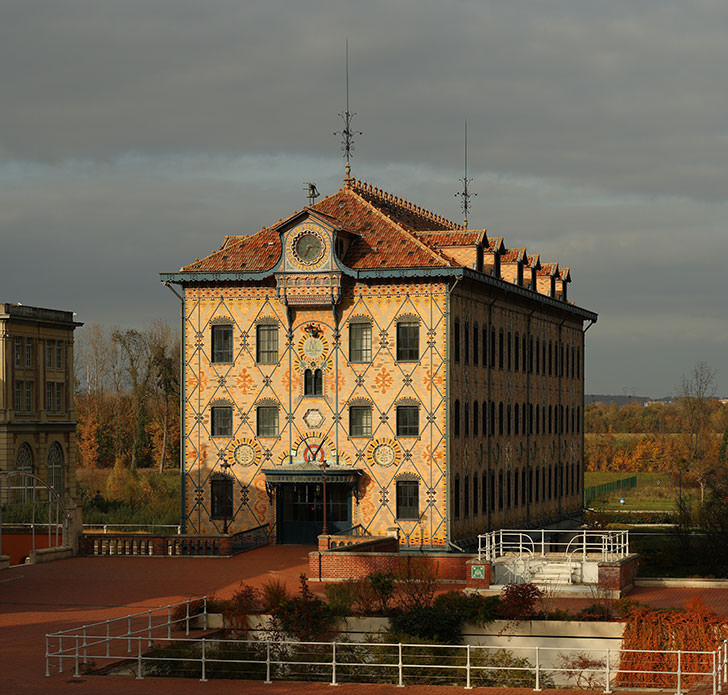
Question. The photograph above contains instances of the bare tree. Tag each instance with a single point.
(696, 397)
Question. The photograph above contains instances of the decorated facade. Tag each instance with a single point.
(368, 364)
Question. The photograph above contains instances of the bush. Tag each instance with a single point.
(518, 601)
(417, 580)
(435, 624)
(472, 608)
(273, 593)
(382, 585)
(305, 617)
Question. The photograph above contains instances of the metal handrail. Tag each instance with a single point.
(106, 527)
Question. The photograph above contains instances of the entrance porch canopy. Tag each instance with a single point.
(308, 473)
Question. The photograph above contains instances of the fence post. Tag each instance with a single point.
(267, 662)
(187, 620)
(76, 674)
(401, 683)
(715, 679)
(204, 612)
(60, 653)
(203, 679)
(725, 660)
(139, 675)
(467, 668)
(607, 674)
(48, 666)
(333, 664)
(108, 637)
(169, 622)
(679, 673)
(128, 635)
(149, 628)
(538, 669)
(85, 651)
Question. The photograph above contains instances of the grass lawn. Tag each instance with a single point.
(654, 491)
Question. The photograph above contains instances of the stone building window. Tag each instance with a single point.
(222, 344)
(456, 341)
(456, 419)
(55, 467)
(466, 343)
(54, 354)
(475, 344)
(24, 464)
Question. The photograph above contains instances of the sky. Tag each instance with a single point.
(136, 134)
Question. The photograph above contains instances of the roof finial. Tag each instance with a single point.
(465, 193)
(347, 134)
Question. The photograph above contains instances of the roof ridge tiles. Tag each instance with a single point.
(366, 187)
(440, 257)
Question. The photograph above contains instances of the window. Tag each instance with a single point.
(456, 341)
(360, 342)
(408, 341)
(456, 419)
(222, 344)
(517, 353)
(18, 352)
(456, 497)
(466, 496)
(266, 343)
(408, 499)
(408, 421)
(484, 346)
(492, 346)
(509, 341)
(360, 421)
(466, 420)
(475, 494)
(29, 352)
(221, 496)
(475, 419)
(484, 493)
(23, 401)
(54, 354)
(313, 382)
(59, 354)
(267, 420)
(475, 348)
(500, 349)
(466, 343)
(222, 420)
(54, 396)
(24, 464)
(55, 467)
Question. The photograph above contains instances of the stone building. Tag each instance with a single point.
(37, 417)
(425, 378)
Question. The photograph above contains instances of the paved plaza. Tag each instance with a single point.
(38, 599)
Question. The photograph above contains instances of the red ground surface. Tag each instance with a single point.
(38, 599)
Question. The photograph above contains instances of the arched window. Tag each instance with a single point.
(517, 353)
(492, 346)
(456, 341)
(466, 420)
(484, 419)
(538, 356)
(484, 346)
(515, 419)
(484, 492)
(55, 467)
(475, 420)
(523, 353)
(500, 417)
(24, 464)
(509, 348)
(313, 382)
(466, 497)
(466, 343)
(475, 352)
(475, 494)
(508, 419)
(551, 359)
(456, 419)
(500, 349)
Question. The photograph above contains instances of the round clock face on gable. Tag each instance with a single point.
(307, 247)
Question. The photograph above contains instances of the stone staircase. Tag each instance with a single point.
(549, 574)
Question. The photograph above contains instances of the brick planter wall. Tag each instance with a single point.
(343, 564)
(618, 576)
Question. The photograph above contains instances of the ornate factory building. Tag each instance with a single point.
(424, 378)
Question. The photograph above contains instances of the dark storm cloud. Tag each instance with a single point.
(135, 134)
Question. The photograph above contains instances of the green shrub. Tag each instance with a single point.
(274, 592)
(435, 624)
(305, 617)
(518, 601)
(382, 585)
(472, 608)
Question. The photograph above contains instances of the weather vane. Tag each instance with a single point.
(347, 134)
(465, 194)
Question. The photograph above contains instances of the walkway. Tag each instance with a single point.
(37, 599)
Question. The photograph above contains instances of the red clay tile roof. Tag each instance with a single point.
(534, 260)
(548, 269)
(253, 253)
(389, 232)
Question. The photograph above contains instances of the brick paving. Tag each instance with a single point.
(38, 599)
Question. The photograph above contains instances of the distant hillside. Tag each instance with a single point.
(619, 400)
